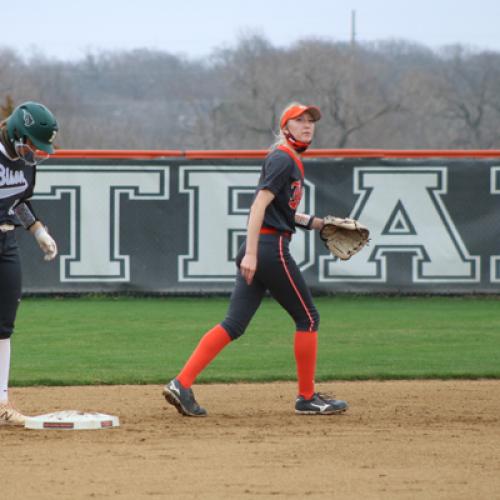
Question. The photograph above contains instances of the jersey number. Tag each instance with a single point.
(296, 195)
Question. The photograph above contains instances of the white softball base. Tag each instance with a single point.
(72, 420)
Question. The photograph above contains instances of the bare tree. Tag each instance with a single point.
(467, 89)
(390, 94)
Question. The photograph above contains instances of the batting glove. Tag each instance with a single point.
(46, 243)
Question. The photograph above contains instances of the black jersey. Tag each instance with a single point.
(17, 181)
(283, 175)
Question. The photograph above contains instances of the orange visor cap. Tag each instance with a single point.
(300, 109)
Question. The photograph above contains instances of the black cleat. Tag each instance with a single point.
(183, 399)
(319, 404)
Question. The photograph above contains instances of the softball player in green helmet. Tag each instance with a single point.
(26, 138)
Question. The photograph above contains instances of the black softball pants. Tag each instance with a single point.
(277, 272)
(10, 283)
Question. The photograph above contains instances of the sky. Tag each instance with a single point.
(69, 30)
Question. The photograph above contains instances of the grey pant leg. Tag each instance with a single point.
(245, 300)
(10, 284)
(285, 282)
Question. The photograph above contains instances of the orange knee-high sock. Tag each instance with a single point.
(306, 349)
(209, 346)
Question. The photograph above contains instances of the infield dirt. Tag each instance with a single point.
(398, 440)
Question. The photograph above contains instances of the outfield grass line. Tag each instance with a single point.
(102, 340)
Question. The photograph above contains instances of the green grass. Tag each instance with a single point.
(99, 340)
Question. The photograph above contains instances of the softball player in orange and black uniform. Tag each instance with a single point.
(24, 135)
(265, 264)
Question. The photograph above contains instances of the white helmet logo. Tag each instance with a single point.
(28, 119)
(53, 136)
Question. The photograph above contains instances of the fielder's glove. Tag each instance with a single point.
(46, 243)
(343, 237)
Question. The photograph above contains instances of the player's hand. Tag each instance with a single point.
(46, 243)
(248, 267)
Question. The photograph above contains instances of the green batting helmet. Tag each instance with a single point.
(34, 121)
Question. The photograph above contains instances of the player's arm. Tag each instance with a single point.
(46, 243)
(26, 215)
(309, 222)
(248, 265)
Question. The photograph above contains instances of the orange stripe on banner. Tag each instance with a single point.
(116, 153)
(257, 154)
(237, 153)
